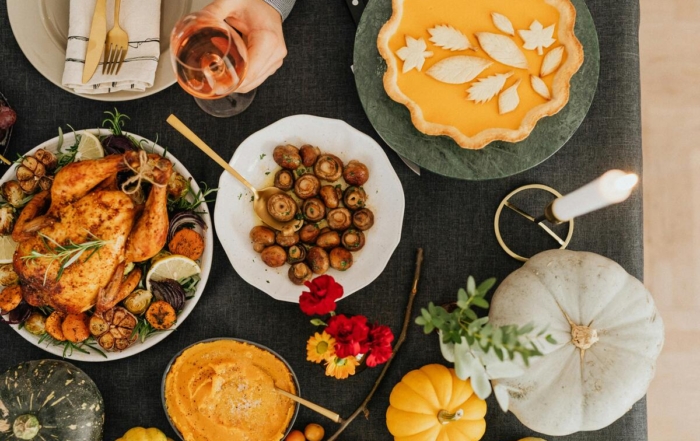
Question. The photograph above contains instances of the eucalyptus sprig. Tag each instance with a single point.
(66, 255)
(464, 323)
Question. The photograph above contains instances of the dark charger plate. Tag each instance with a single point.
(441, 154)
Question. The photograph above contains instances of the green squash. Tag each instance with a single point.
(49, 400)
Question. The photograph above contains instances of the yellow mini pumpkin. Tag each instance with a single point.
(141, 434)
(432, 404)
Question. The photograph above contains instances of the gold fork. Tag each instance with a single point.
(116, 45)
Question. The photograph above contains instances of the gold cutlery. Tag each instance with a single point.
(315, 407)
(260, 197)
(116, 45)
(98, 33)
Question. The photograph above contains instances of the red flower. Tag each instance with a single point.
(351, 335)
(324, 291)
(380, 338)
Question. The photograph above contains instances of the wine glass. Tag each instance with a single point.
(210, 62)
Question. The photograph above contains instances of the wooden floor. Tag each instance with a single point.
(670, 61)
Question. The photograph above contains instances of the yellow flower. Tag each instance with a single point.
(341, 368)
(320, 347)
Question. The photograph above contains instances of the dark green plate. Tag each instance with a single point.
(441, 154)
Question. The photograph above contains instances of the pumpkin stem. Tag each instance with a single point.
(446, 417)
(583, 337)
(26, 427)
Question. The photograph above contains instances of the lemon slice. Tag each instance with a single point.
(90, 147)
(7, 249)
(172, 267)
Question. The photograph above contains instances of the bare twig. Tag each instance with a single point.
(406, 321)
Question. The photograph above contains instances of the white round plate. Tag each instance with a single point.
(234, 216)
(41, 30)
(206, 260)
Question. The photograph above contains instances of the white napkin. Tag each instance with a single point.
(141, 21)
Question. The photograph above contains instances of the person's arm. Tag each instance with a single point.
(284, 7)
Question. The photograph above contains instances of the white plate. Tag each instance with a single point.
(41, 30)
(234, 216)
(206, 260)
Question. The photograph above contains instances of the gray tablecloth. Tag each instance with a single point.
(452, 220)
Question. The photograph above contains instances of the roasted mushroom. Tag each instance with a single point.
(178, 186)
(355, 198)
(8, 276)
(340, 259)
(29, 173)
(284, 180)
(262, 237)
(363, 219)
(353, 239)
(328, 167)
(282, 207)
(318, 260)
(309, 154)
(339, 219)
(12, 193)
(314, 210)
(47, 158)
(355, 173)
(286, 241)
(114, 328)
(296, 253)
(299, 273)
(7, 219)
(307, 186)
(274, 256)
(328, 240)
(309, 233)
(287, 156)
(331, 195)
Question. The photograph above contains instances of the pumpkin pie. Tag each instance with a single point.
(480, 70)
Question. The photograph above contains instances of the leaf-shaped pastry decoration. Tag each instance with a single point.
(486, 88)
(540, 87)
(502, 49)
(503, 23)
(458, 69)
(509, 99)
(414, 54)
(537, 37)
(449, 38)
(552, 61)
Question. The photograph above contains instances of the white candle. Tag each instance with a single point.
(613, 187)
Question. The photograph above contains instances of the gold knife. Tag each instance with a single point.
(96, 44)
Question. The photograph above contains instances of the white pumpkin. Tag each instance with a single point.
(608, 335)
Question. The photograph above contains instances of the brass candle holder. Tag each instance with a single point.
(539, 221)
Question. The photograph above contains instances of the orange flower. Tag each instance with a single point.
(341, 368)
(320, 347)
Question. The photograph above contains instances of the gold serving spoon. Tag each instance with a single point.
(260, 197)
(315, 407)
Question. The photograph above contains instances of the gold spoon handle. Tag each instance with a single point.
(315, 407)
(196, 140)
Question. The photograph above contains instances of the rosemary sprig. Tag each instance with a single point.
(189, 284)
(69, 347)
(115, 121)
(192, 200)
(66, 255)
(67, 156)
(143, 330)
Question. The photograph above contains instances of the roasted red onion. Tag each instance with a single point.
(117, 144)
(19, 314)
(183, 219)
(170, 291)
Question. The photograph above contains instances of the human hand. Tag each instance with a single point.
(261, 27)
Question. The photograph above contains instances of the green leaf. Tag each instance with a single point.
(499, 352)
(486, 285)
(462, 295)
(471, 286)
(497, 337)
(480, 302)
(428, 328)
(526, 329)
(318, 322)
(426, 315)
(471, 315)
(421, 321)
(550, 339)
